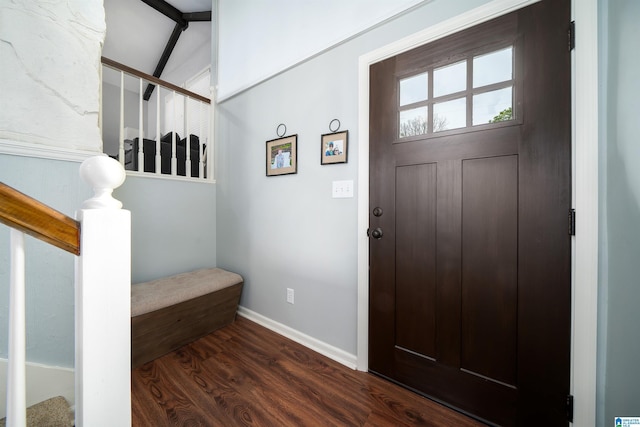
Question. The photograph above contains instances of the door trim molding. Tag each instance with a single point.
(584, 176)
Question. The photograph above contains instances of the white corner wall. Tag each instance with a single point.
(49, 76)
(282, 33)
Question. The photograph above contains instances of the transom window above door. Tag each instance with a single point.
(477, 90)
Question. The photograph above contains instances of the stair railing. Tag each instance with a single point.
(101, 239)
(184, 105)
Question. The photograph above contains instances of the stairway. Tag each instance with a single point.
(54, 412)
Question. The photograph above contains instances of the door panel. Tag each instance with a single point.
(416, 258)
(489, 267)
(470, 281)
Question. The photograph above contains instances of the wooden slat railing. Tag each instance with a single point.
(149, 78)
(183, 108)
(32, 217)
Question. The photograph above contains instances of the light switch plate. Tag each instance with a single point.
(342, 189)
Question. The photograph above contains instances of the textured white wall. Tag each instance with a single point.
(49, 77)
(49, 86)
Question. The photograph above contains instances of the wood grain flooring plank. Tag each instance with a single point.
(227, 372)
(247, 375)
(261, 380)
(160, 394)
(214, 394)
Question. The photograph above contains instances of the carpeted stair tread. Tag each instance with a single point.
(54, 412)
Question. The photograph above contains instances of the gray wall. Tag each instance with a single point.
(172, 226)
(49, 271)
(620, 240)
(286, 231)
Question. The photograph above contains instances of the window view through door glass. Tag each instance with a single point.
(450, 115)
(491, 70)
(413, 122)
(414, 89)
(470, 92)
(450, 79)
(494, 67)
(493, 106)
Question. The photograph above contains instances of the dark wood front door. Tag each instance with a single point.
(470, 190)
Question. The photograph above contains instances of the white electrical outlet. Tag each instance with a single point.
(290, 295)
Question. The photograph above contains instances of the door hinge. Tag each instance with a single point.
(571, 36)
(570, 408)
(572, 222)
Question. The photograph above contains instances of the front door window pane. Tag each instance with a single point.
(492, 107)
(450, 79)
(450, 115)
(494, 67)
(414, 89)
(473, 91)
(413, 122)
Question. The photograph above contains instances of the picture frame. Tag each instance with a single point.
(282, 156)
(334, 148)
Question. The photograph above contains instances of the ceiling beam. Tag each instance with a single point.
(171, 44)
(197, 16)
(173, 13)
(182, 23)
(167, 10)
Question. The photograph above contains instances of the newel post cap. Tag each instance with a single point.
(103, 174)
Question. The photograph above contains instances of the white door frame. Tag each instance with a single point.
(584, 176)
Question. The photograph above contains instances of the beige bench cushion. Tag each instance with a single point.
(167, 291)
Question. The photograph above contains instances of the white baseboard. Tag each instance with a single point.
(334, 353)
(43, 382)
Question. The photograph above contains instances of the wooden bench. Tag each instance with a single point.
(170, 312)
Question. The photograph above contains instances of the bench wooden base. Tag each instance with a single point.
(159, 332)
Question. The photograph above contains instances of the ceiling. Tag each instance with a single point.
(137, 33)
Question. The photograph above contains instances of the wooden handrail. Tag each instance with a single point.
(148, 77)
(32, 217)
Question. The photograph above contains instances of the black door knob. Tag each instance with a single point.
(376, 233)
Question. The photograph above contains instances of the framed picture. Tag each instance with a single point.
(334, 147)
(282, 156)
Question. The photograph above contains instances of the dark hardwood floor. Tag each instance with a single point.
(247, 375)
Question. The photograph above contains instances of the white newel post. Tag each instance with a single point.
(103, 301)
